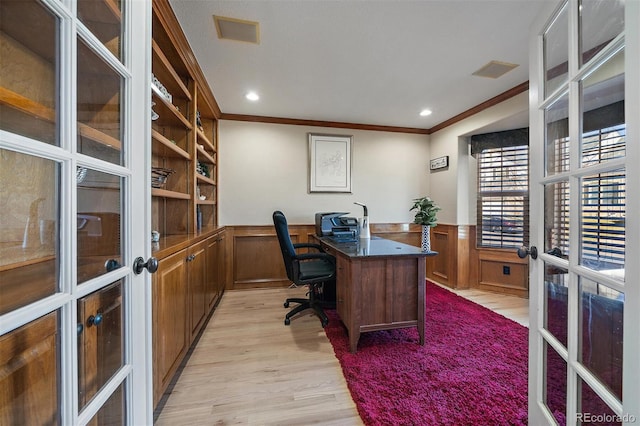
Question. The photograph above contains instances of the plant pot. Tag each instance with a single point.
(426, 238)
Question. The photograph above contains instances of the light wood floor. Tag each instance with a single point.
(248, 368)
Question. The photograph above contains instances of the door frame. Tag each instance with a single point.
(140, 395)
(629, 408)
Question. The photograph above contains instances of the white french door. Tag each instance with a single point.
(585, 194)
(74, 187)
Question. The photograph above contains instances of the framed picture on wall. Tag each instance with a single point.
(329, 163)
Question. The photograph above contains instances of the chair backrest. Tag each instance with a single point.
(286, 246)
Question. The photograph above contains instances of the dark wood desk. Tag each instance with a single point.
(380, 285)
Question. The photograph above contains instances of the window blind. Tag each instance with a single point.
(503, 197)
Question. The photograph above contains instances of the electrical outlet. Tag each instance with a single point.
(506, 270)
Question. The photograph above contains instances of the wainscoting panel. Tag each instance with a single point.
(257, 260)
(503, 271)
(254, 260)
(443, 268)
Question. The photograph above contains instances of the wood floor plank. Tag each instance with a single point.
(248, 368)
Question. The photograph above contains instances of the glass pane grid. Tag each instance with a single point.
(557, 142)
(555, 386)
(29, 229)
(602, 222)
(556, 302)
(602, 145)
(30, 79)
(601, 333)
(600, 22)
(100, 340)
(99, 224)
(556, 43)
(104, 19)
(99, 107)
(556, 219)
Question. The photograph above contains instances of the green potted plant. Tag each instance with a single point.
(426, 210)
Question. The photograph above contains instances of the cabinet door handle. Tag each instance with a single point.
(94, 320)
(191, 257)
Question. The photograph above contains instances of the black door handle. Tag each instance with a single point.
(524, 251)
(139, 264)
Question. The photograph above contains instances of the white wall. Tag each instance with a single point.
(264, 167)
(454, 189)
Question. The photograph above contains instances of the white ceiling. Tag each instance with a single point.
(366, 62)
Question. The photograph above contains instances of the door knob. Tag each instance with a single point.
(524, 251)
(111, 265)
(139, 264)
(94, 320)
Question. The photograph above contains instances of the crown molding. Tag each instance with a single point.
(320, 123)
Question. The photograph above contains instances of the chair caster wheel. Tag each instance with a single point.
(287, 321)
(286, 304)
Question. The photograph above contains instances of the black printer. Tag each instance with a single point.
(337, 226)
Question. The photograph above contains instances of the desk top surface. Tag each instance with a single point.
(375, 246)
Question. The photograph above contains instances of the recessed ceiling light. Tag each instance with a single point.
(425, 112)
(252, 96)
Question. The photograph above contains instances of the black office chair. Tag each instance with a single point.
(316, 269)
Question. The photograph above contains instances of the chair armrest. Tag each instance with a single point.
(314, 256)
(308, 245)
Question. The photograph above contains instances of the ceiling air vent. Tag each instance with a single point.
(494, 69)
(237, 29)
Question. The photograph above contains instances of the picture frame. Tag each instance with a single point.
(439, 163)
(330, 163)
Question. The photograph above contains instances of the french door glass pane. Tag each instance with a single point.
(100, 339)
(556, 55)
(592, 410)
(556, 219)
(602, 222)
(99, 224)
(99, 107)
(555, 384)
(600, 337)
(113, 412)
(557, 136)
(30, 359)
(29, 81)
(600, 22)
(104, 20)
(603, 121)
(556, 301)
(29, 229)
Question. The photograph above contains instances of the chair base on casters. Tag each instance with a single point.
(304, 304)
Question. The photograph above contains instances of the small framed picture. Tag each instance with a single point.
(329, 163)
(439, 163)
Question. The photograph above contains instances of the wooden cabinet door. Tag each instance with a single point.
(170, 338)
(221, 267)
(197, 273)
(213, 271)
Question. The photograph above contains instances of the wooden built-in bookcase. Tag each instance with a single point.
(184, 139)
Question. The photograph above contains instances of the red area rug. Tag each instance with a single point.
(471, 371)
